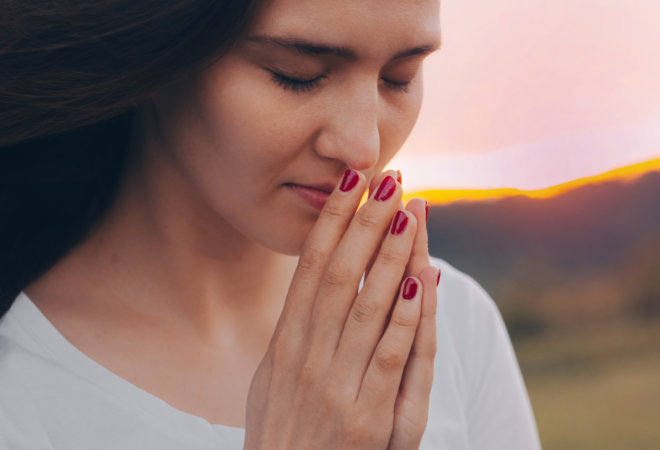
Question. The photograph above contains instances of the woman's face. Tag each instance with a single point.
(313, 87)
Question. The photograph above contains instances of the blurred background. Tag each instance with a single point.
(538, 146)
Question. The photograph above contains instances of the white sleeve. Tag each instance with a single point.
(497, 408)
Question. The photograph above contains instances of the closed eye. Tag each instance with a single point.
(400, 86)
(302, 85)
(298, 85)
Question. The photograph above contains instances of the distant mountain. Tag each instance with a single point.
(583, 229)
(520, 248)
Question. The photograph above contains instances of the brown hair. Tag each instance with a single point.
(70, 74)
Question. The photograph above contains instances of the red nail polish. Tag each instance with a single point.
(386, 189)
(349, 181)
(437, 282)
(399, 178)
(399, 223)
(409, 289)
(427, 210)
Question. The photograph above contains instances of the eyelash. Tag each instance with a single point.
(398, 86)
(294, 84)
(300, 86)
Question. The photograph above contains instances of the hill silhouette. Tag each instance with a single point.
(585, 229)
(593, 249)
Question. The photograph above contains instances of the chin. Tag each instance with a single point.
(287, 240)
(292, 245)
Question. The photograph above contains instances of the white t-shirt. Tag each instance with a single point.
(52, 396)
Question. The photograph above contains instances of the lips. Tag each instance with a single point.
(314, 195)
(324, 187)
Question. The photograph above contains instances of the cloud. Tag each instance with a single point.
(538, 164)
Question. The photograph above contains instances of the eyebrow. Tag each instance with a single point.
(316, 49)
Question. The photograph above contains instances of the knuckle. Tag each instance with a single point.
(414, 426)
(363, 311)
(388, 359)
(312, 260)
(336, 274)
(359, 429)
(392, 257)
(412, 415)
(331, 401)
(309, 376)
(334, 210)
(404, 319)
(366, 219)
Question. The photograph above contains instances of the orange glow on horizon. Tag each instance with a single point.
(446, 196)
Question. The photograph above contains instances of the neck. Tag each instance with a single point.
(161, 253)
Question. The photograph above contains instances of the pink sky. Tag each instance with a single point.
(533, 93)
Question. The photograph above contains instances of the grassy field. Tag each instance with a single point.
(597, 388)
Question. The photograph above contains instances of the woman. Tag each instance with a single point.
(197, 282)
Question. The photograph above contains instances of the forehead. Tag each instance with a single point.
(368, 26)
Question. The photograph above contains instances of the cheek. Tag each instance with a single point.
(249, 123)
(236, 146)
(219, 136)
(236, 123)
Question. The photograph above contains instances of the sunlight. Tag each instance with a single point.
(445, 196)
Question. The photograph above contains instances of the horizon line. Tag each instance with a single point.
(441, 196)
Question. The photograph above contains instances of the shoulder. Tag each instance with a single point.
(469, 318)
(472, 336)
(18, 362)
(20, 419)
(454, 282)
(462, 299)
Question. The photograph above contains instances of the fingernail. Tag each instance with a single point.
(386, 189)
(409, 289)
(437, 282)
(427, 210)
(399, 223)
(349, 181)
(398, 177)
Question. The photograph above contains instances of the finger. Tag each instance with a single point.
(375, 182)
(383, 375)
(319, 245)
(419, 258)
(412, 402)
(346, 266)
(368, 315)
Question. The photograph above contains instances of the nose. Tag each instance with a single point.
(350, 132)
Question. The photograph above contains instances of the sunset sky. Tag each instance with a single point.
(530, 94)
